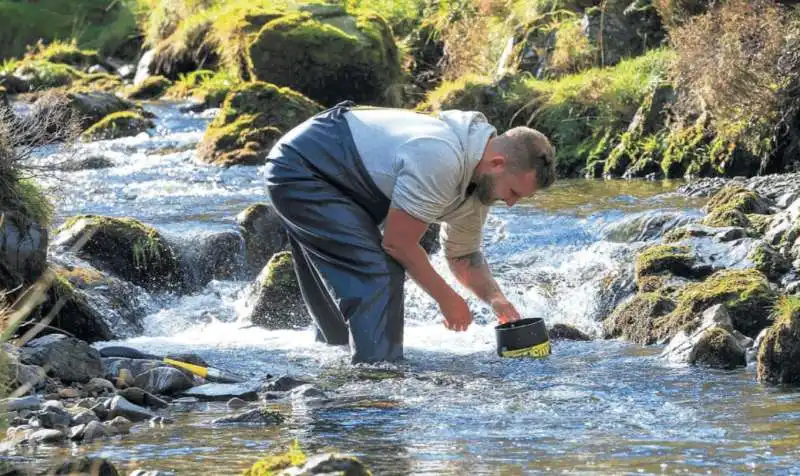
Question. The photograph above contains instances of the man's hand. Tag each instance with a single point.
(457, 316)
(504, 310)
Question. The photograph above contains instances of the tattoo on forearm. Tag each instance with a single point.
(477, 276)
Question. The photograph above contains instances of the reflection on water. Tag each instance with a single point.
(453, 407)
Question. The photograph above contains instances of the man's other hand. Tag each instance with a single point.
(505, 311)
(457, 316)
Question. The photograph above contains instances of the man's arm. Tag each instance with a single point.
(473, 272)
(401, 238)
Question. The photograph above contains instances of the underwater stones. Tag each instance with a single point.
(66, 358)
(117, 125)
(125, 247)
(256, 416)
(263, 234)
(252, 118)
(275, 300)
(779, 352)
(151, 88)
(329, 58)
(714, 343)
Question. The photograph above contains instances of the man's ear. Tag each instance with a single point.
(497, 162)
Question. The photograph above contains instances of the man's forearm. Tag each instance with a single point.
(416, 263)
(473, 272)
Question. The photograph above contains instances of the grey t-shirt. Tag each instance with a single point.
(424, 163)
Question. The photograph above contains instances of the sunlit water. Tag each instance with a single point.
(453, 407)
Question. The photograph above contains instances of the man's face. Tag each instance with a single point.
(501, 184)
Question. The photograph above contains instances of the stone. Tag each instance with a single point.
(119, 425)
(263, 235)
(140, 397)
(142, 472)
(274, 299)
(307, 391)
(52, 417)
(83, 417)
(86, 466)
(778, 360)
(121, 369)
(94, 430)
(163, 380)
(32, 402)
(47, 436)
(225, 391)
(23, 249)
(119, 406)
(69, 392)
(712, 343)
(66, 358)
(565, 332)
(236, 403)
(99, 386)
(283, 383)
(256, 416)
(330, 463)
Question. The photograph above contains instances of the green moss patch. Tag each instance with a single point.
(118, 124)
(665, 259)
(151, 88)
(779, 353)
(206, 87)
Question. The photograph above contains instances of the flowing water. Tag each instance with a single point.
(453, 406)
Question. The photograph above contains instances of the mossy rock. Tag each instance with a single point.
(746, 294)
(207, 88)
(277, 300)
(263, 234)
(45, 75)
(328, 59)
(665, 259)
(779, 354)
(719, 349)
(151, 88)
(733, 197)
(253, 117)
(724, 217)
(118, 124)
(759, 223)
(66, 53)
(634, 319)
(124, 247)
(769, 261)
(293, 457)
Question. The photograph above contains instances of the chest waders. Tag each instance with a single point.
(331, 209)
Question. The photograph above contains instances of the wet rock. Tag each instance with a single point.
(68, 393)
(257, 416)
(330, 463)
(94, 162)
(51, 417)
(47, 436)
(713, 343)
(224, 391)
(32, 402)
(119, 406)
(781, 227)
(635, 319)
(97, 69)
(307, 391)
(150, 88)
(283, 383)
(676, 260)
(218, 256)
(83, 417)
(66, 358)
(140, 397)
(86, 466)
(119, 426)
(99, 386)
(263, 234)
(142, 472)
(274, 299)
(163, 380)
(189, 358)
(769, 261)
(101, 410)
(236, 403)
(779, 351)
(27, 378)
(94, 430)
(565, 332)
(14, 84)
(23, 249)
(76, 432)
(116, 368)
(124, 247)
(160, 421)
(118, 125)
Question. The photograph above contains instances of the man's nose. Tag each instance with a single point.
(511, 201)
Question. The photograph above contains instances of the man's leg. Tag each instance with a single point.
(343, 258)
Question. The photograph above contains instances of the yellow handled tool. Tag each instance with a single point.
(208, 373)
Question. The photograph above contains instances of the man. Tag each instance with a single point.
(340, 175)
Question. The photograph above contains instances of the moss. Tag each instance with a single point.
(252, 119)
(722, 217)
(660, 259)
(280, 270)
(26, 196)
(150, 88)
(634, 320)
(718, 348)
(678, 234)
(293, 457)
(207, 87)
(759, 223)
(116, 125)
(736, 198)
(45, 75)
(328, 60)
(65, 53)
(96, 82)
(746, 294)
(769, 261)
(683, 148)
(778, 360)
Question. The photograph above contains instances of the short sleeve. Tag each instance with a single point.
(427, 182)
(463, 234)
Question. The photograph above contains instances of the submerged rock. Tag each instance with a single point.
(66, 358)
(252, 119)
(225, 391)
(275, 300)
(257, 416)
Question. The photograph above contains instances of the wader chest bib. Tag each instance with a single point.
(331, 209)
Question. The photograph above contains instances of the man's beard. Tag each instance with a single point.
(484, 189)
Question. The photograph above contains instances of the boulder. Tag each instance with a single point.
(23, 250)
(675, 260)
(224, 391)
(252, 119)
(163, 381)
(66, 358)
(93, 162)
(779, 351)
(331, 463)
(634, 320)
(117, 125)
(116, 368)
(566, 332)
(125, 247)
(274, 300)
(89, 107)
(256, 416)
(713, 343)
(47, 436)
(621, 28)
(151, 88)
(328, 55)
(86, 465)
(263, 234)
(139, 397)
(120, 407)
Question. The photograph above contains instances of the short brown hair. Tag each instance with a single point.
(529, 149)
